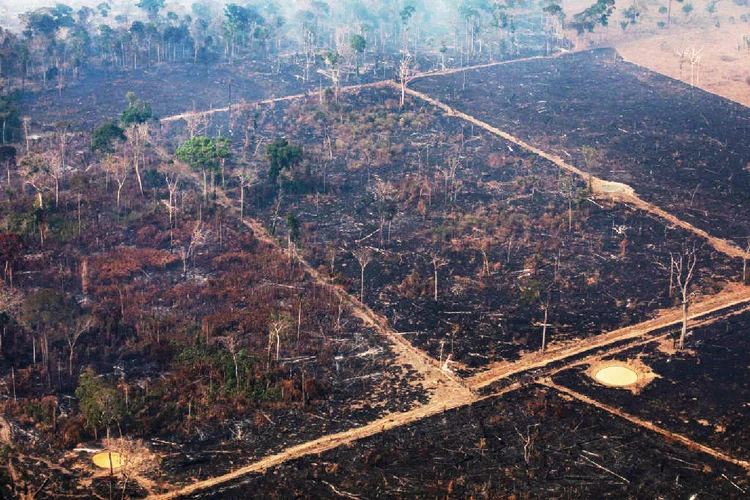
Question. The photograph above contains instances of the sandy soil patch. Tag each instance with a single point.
(632, 375)
(724, 65)
(106, 459)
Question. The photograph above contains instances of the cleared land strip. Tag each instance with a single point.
(727, 299)
(646, 424)
(616, 190)
(330, 442)
(459, 399)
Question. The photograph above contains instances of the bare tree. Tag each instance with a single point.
(384, 194)
(119, 169)
(568, 191)
(232, 343)
(36, 168)
(684, 272)
(364, 257)
(246, 178)
(744, 263)
(173, 183)
(137, 135)
(26, 122)
(198, 238)
(61, 128)
(195, 122)
(404, 74)
(693, 57)
(81, 326)
(437, 262)
(545, 302)
(276, 329)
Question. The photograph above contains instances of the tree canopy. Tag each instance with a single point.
(204, 153)
(138, 111)
(282, 155)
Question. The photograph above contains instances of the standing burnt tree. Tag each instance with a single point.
(683, 267)
(364, 257)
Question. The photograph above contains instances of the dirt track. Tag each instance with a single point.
(446, 400)
(349, 88)
(713, 304)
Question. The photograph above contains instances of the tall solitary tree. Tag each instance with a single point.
(358, 44)
(364, 257)
(684, 272)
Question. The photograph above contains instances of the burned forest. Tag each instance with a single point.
(396, 249)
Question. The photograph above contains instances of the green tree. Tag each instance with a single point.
(99, 403)
(205, 155)
(152, 7)
(282, 156)
(358, 44)
(138, 111)
(104, 137)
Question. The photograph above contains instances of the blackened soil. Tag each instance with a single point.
(682, 148)
(702, 393)
(606, 265)
(478, 452)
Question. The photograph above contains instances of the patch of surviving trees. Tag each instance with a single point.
(65, 55)
(132, 304)
(677, 146)
(474, 250)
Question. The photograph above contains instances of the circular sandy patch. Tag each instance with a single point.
(631, 374)
(103, 460)
(616, 376)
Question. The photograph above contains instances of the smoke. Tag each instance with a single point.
(432, 18)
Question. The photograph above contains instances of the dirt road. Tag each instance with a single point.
(349, 88)
(728, 299)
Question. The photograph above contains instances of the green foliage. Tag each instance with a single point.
(138, 111)
(99, 402)
(152, 7)
(10, 120)
(407, 13)
(687, 9)
(631, 15)
(240, 20)
(554, 10)
(293, 226)
(358, 43)
(204, 153)
(282, 155)
(531, 293)
(46, 22)
(104, 137)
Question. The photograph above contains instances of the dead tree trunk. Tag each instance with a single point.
(684, 272)
(364, 257)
